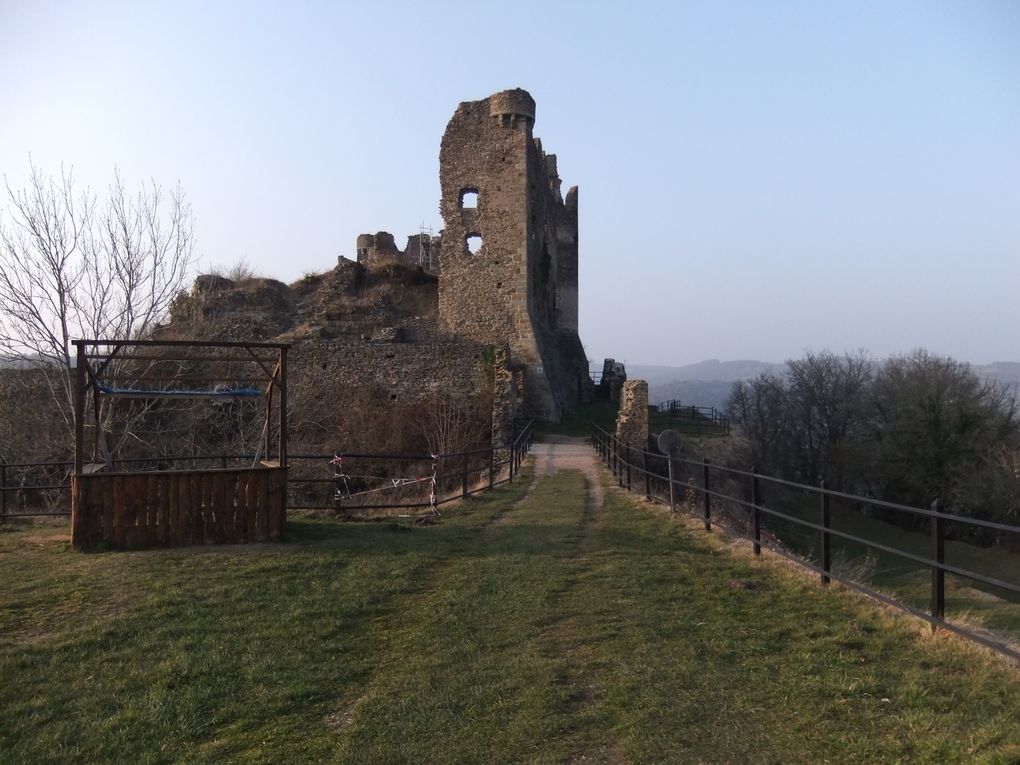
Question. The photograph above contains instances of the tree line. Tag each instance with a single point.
(909, 429)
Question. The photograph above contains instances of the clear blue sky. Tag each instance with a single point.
(756, 179)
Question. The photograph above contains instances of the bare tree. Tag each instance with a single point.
(938, 430)
(449, 424)
(827, 398)
(758, 405)
(72, 265)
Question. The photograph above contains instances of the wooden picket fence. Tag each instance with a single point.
(190, 507)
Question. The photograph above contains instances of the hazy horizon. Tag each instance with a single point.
(756, 180)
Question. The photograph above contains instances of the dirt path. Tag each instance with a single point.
(558, 453)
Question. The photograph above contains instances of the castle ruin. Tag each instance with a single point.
(509, 268)
(490, 302)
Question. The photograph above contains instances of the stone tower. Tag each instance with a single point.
(509, 258)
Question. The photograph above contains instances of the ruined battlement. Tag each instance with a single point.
(380, 249)
(509, 266)
(512, 108)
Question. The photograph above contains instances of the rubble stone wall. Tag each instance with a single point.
(509, 290)
(406, 371)
(632, 417)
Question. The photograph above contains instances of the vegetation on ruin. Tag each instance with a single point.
(545, 634)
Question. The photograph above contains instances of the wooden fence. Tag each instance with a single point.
(171, 508)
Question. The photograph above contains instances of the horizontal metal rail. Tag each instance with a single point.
(515, 452)
(625, 461)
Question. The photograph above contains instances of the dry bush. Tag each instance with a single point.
(450, 425)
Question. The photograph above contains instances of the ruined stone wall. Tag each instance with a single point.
(508, 291)
(632, 417)
(566, 274)
(484, 296)
(403, 371)
(377, 250)
(506, 390)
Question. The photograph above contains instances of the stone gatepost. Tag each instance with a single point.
(632, 417)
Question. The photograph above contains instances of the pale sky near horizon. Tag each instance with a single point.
(756, 179)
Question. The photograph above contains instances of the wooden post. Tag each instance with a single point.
(705, 496)
(283, 410)
(938, 554)
(826, 551)
(79, 406)
(266, 435)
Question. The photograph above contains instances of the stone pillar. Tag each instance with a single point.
(504, 399)
(632, 417)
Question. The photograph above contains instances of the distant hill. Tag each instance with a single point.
(1005, 372)
(708, 383)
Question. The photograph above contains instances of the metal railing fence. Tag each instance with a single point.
(461, 474)
(706, 418)
(651, 473)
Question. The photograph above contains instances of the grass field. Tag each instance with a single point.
(973, 603)
(541, 632)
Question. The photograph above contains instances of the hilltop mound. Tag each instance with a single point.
(389, 303)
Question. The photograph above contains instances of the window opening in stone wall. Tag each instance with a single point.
(469, 199)
(473, 243)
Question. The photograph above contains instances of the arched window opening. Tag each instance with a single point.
(473, 243)
(469, 199)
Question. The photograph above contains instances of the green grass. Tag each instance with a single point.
(974, 603)
(544, 634)
(578, 422)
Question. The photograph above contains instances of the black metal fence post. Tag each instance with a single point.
(464, 476)
(938, 554)
(648, 478)
(755, 514)
(672, 488)
(492, 467)
(3, 491)
(826, 550)
(627, 458)
(511, 459)
(705, 496)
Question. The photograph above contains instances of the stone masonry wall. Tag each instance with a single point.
(380, 249)
(632, 417)
(505, 398)
(407, 372)
(508, 291)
